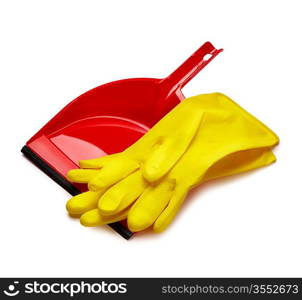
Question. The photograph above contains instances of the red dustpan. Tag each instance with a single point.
(107, 119)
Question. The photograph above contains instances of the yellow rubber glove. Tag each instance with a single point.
(236, 163)
(157, 151)
(229, 141)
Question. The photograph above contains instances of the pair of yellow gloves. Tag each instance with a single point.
(202, 138)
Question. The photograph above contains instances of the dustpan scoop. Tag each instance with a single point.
(108, 119)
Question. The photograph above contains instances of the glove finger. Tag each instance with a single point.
(168, 150)
(112, 172)
(83, 202)
(93, 218)
(171, 210)
(122, 194)
(97, 163)
(80, 175)
(150, 205)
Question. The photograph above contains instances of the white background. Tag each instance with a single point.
(52, 51)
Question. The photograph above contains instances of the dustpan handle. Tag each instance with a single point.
(184, 73)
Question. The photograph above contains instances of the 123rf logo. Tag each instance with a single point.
(70, 289)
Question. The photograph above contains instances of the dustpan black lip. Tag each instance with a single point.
(68, 186)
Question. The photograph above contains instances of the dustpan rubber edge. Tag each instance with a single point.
(68, 186)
